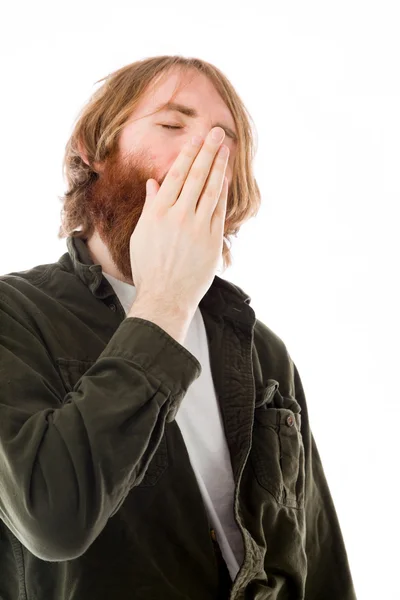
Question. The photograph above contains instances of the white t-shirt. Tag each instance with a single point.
(200, 422)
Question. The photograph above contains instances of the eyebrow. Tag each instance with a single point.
(192, 112)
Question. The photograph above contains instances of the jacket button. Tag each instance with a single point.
(113, 307)
(290, 421)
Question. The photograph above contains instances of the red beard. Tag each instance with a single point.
(115, 202)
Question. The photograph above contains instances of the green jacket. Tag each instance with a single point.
(98, 500)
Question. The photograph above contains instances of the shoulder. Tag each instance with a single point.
(24, 289)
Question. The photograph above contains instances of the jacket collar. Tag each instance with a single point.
(222, 298)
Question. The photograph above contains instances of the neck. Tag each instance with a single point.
(100, 256)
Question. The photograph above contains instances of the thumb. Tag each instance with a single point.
(152, 188)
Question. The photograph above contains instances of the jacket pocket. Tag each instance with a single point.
(277, 453)
(71, 370)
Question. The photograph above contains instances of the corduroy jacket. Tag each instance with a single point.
(93, 465)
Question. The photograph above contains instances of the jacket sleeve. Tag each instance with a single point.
(328, 572)
(68, 462)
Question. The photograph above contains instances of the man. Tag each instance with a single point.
(154, 435)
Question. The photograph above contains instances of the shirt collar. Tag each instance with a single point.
(222, 297)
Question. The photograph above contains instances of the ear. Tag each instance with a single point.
(83, 155)
(82, 152)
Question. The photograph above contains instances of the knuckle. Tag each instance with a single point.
(210, 193)
(180, 214)
(189, 152)
(197, 173)
(175, 173)
(158, 213)
(180, 219)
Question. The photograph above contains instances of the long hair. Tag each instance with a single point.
(98, 126)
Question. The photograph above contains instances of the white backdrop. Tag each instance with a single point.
(320, 260)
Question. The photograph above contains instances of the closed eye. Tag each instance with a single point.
(171, 127)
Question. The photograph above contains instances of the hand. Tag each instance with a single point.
(177, 243)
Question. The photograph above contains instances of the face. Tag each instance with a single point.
(147, 150)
